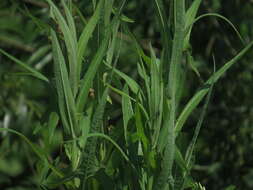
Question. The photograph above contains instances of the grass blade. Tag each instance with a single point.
(108, 11)
(223, 18)
(176, 56)
(91, 145)
(140, 130)
(195, 100)
(70, 20)
(190, 149)
(165, 31)
(197, 129)
(87, 34)
(160, 10)
(112, 141)
(131, 83)
(156, 97)
(39, 54)
(189, 18)
(192, 12)
(71, 45)
(33, 72)
(63, 84)
(127, 111)
(53, 121)
(36, 149)
(91, 72)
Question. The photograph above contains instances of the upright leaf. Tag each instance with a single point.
(63, 86)
(53, 121)
(87, 34)
(91, 72)
(189, 18)
(127, 111)
(167, 162)
(70, 41)
(91, 145)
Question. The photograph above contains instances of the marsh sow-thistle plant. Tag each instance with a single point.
(152, 117)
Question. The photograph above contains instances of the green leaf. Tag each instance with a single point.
(221, 17)
(126, 19)
(119, 92)
(177, 49)
(91, 145)
(112, 141)
(123, 17)
(91, 72)
(25, 66)
(180, 160)
(71, 44)
(191, 146)
(85, 125)
(53, 121)
(43, 26)
(191, 63)
(70, 20)
(156, 97)
(131, 83)
(108, 11)
(122, 93)
(189, 18)
(192, 12)
(52, 182)
(127, 111)
(112, 48)
(137, 46)
(66, 99)
(35, 148)
(195, 100)
(87, 34)
(230, 187)
(155, 85)
(192, 21)
(140, 132)
(165, 29)
(40, 53)
(161, 12)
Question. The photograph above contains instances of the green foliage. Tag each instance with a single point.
(106, 127)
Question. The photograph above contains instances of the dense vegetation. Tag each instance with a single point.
(116, 94)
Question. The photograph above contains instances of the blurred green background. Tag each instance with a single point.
(224, 149)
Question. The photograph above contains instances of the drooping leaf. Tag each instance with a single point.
(195, 100)
(33, 72)
(112, 141)
(131, 82)
(35, 148)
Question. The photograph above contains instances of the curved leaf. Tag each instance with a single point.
(33, 72)
(36, 149)
(195, 100)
